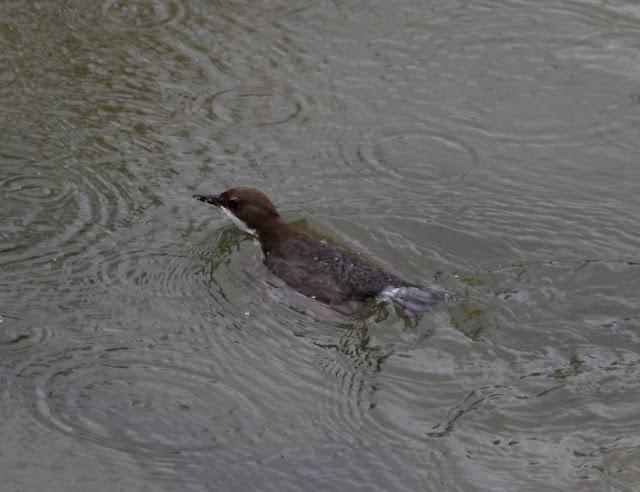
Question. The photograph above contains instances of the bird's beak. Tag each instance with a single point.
(212, 199)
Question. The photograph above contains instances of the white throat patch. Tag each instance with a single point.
(241, 225)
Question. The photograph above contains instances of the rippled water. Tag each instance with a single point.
(490, 146)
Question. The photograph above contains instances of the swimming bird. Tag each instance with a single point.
(315, 268)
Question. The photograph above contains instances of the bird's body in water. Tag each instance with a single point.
(315, 268)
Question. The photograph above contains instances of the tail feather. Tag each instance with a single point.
(412, 302)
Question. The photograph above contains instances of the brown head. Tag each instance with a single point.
(252, 207)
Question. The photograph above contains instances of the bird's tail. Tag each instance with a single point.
(412, 302)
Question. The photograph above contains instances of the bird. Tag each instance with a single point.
(315, 268)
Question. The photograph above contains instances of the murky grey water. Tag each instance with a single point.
(491, 145)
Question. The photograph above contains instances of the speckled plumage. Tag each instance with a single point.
(323, 271)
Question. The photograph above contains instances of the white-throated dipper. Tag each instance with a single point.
(313, 267)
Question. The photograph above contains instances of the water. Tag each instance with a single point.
(490, 146)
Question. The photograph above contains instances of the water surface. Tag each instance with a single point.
(489, 146)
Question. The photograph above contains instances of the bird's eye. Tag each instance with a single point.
(233, 202)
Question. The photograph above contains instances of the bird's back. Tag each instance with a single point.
(326, 272)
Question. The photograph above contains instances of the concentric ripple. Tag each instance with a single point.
(257, 106)
(56, 213)
(150, 405)
(125, 15)
(339, 23)
(161, 273)
(408, 155)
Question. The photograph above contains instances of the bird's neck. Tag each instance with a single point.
(273, 233)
